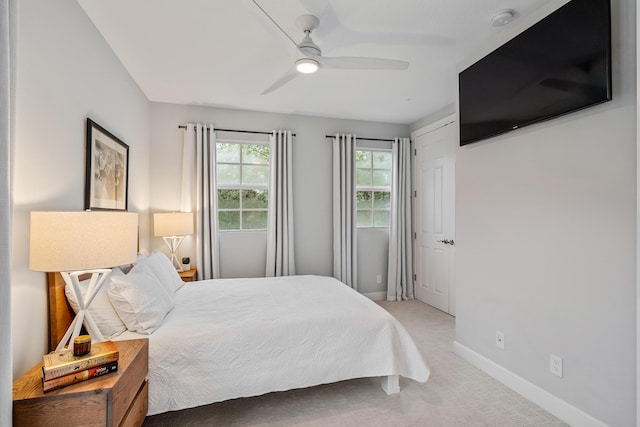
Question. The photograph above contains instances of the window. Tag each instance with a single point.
(373, 188)
(243, 185)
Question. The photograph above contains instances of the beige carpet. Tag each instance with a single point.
(456, 394)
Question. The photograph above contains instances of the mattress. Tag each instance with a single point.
(231, 338)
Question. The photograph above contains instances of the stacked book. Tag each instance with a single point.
(62, 368)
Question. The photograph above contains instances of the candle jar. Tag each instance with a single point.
(82, 345)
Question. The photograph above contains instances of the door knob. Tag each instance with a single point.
(446, 241)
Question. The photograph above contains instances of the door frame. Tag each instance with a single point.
(447, 120)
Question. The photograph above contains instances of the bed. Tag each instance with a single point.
(232, 338)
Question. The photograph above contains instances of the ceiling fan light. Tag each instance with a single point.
(307, 65)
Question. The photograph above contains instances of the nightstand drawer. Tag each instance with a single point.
(87, 408)
(138, 409)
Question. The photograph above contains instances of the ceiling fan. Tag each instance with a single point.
(312, 58)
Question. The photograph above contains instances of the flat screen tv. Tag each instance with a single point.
(559, 65)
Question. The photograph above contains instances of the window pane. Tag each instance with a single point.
(242, 165)
(228, 199)
(364, 219)
(258, 175)
(381, 178)
(381, 160)
(255, 199)
(363, 199)
(363, 159)
(254, 220)
(229, 220)
(363, 177)
(381, 200)
(253, 153)
(228, 153)
(380, 218)
(228, 174)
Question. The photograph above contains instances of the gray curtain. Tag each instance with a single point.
(199, 194)
(344, 210)
(280, 250)
(7, 78)
(400, 285)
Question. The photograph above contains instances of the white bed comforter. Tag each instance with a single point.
(235, 338)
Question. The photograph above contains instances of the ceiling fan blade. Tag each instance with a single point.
(290, 75)
(361, 63)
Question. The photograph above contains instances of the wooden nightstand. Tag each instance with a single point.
(189, 275)
(117, 399)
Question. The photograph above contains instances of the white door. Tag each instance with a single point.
(435, 216)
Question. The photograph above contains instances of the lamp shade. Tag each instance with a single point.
(173, 224)
(75, 241)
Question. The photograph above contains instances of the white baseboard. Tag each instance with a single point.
(376, 296)
(547, 401)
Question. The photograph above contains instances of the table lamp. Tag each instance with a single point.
(79, 243)
(173, 226)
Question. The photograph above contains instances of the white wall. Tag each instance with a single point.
(66, 73)
(312, 187)
(546, 246)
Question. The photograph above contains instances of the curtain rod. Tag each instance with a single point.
(236, 130)
(364, 139)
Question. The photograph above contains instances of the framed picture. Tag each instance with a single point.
(107, 170)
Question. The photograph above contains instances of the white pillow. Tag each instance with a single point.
(140, 300)
(101, 309)
(164, 270)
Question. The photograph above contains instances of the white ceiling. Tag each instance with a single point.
(224, 53)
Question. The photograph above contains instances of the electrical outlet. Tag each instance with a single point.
(500, 339)
(555, 365)
(379, 278)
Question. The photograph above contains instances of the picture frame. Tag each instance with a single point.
(106, 170)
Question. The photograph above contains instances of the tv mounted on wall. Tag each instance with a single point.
(559, 65)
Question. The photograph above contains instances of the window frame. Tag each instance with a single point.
(373, 188)
(242, 187)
